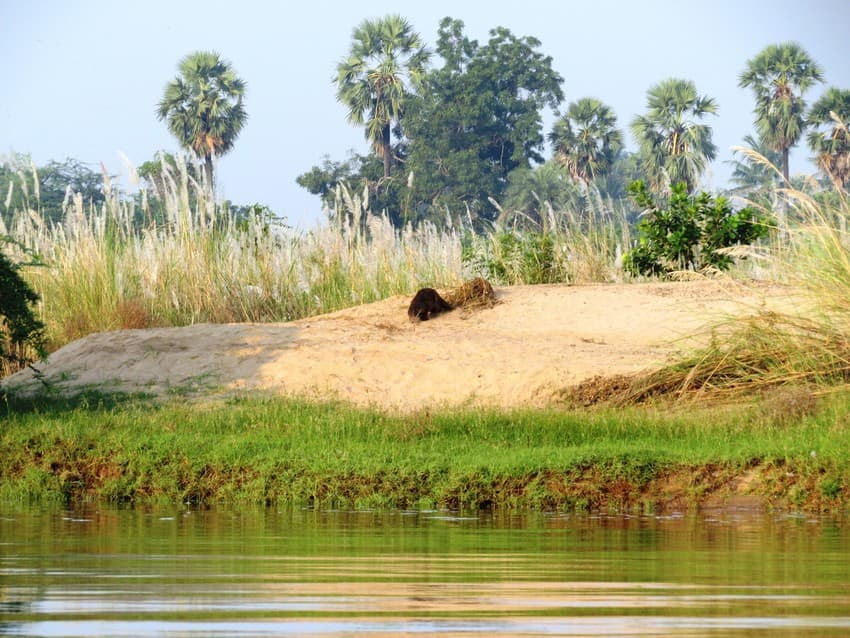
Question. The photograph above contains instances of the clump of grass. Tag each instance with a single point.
(566, 246)
(752, 354)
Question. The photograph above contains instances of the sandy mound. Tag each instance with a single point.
(536, 341)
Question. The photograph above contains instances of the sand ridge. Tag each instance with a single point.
(533, 343)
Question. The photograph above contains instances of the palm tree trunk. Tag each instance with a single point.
(208, 168)
(386, 150)
(786, 173)
(783, 205)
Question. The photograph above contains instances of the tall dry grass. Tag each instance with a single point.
(103, 269)
(100, 270)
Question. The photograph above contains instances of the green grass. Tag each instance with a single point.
(331, 455)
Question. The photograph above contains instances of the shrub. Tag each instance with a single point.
(20, 332)
(511, 257)
(689, 232)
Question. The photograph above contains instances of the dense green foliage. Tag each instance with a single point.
(21, 332)
(329, 455)
(688, 232)
(477, 119)
(830, 135)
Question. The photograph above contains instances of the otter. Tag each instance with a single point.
(427, 303)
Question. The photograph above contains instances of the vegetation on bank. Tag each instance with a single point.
(423, 209)
(788, 449)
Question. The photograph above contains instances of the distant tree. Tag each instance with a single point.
(779, 76)
(531, 189)
(357, 173)
(755, 169)
(830, 137)
(674, 145)
(387, 58)
(476, 119)
(586, 139)
(203, 107)
(322, 180)
(624, 170)
(45, 189)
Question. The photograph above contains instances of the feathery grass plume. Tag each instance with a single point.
(113, 266)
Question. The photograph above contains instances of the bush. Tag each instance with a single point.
(20, 332)
(689, 232)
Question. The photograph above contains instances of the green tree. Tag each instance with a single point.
(203, 107)
(586, 139)
(674, 145)
(20, 331)
(830, 137)
(386, 60)
(476, 119)
(779, 76)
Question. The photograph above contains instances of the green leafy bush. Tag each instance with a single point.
(21, 333)
(689, 231)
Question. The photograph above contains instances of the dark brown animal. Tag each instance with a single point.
(427, 303)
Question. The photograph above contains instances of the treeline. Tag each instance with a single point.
(459, 129)
(51, 190)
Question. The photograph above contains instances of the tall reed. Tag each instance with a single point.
(102, 271)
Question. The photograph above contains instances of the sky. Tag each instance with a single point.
(81, 78)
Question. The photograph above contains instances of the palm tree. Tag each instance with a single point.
(673, 143)
(779, 76)
(586, 140)
(386, 58)
(830, 139)
(531, 191)
(755, 172)
(203, 107)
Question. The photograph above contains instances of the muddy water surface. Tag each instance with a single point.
(236, 572)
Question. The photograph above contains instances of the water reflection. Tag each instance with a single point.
(153, 572)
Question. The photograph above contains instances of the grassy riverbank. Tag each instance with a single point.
(789, 449)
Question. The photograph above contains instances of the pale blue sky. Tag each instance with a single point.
(82, 77)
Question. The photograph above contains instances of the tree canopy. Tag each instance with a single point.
(586, 140)
(203, 106)
(829, 138)
(779, 76)
(386, 61)
(675, 145)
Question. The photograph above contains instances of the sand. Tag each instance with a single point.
(524, 351)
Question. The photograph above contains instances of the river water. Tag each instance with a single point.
(265, 572)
